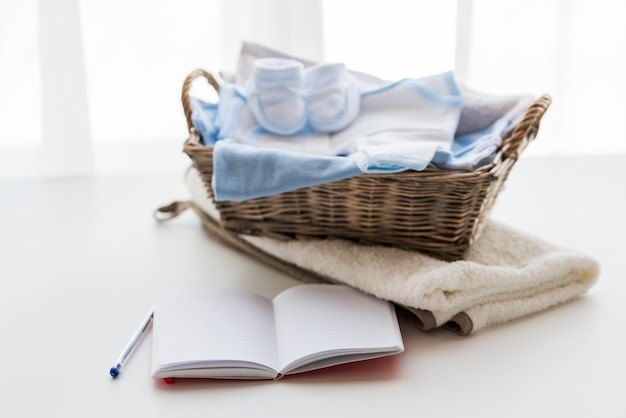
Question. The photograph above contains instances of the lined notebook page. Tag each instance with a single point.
(204, 325)
(317, 318)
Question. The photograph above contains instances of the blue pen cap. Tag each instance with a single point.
(114, 371)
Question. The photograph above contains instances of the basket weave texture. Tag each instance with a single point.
(440, 212)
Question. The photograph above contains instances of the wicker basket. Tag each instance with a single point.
(437, 211)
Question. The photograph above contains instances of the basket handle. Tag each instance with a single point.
(527, 129)
(186, 98)
(165, 213)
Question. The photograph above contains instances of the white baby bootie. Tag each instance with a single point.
(333, 97)
(275, 95)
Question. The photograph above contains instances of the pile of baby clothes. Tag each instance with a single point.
(282, 124)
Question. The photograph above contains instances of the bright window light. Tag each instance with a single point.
(393, 39)
(20, 76)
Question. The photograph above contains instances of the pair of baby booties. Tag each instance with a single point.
(285, 98)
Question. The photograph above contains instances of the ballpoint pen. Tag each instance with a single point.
(132, 344)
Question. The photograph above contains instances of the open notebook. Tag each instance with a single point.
(236, 334)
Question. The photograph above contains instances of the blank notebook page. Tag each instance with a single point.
(205, 325)
(317, 318)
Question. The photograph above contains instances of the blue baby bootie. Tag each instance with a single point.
(274, 93)
(333, 97)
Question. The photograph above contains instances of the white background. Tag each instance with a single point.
(91, 87)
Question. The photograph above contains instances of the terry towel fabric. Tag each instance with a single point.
(505, 275)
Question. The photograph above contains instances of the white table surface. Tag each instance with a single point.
(82, 260)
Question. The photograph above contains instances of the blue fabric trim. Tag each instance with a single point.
(451, 81)
(381, 164)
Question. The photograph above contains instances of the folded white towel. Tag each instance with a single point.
(505, 275)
